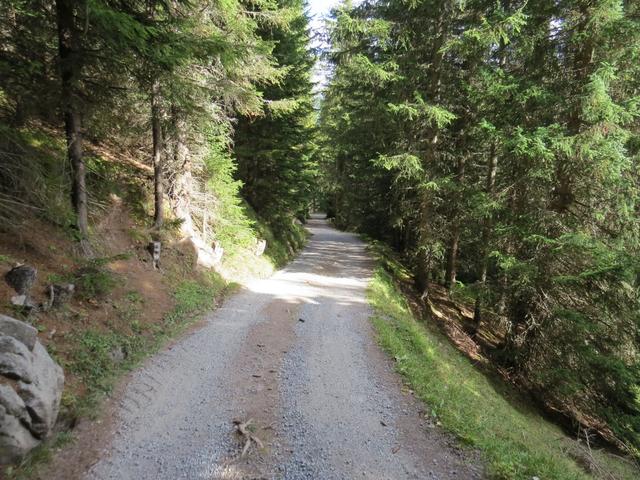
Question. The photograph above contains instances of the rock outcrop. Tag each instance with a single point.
(261, 245)
(207, 256)
(30, 390)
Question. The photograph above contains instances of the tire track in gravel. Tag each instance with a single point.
(297, 354)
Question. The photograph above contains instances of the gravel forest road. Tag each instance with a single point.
(296, 354)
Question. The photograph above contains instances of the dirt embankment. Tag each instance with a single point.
(119, 309)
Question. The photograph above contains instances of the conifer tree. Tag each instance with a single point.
(71, 60)
(275, 150)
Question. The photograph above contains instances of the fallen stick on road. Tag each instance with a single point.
(243, 429)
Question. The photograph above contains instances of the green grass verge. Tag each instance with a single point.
(516, 442)
(93, 359)
(284, 241)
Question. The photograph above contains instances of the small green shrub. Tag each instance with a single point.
(139, 236)
(195, 296)
(94, 280)
(60, 278)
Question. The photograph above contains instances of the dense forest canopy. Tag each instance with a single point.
(497, 145)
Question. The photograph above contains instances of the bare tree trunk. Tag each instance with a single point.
(452, 256)
(183, 184)
(452, 251)
(69, 52)
(340, 215)
(423, 267)
(492, 170)
(158, 174)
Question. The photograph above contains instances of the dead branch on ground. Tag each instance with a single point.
(243, 429)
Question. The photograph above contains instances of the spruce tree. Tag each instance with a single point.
(275, 150)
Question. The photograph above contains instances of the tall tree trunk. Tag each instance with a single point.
(582, 66)
(423, 267)
(431, 136)
(452, 250)
(158, 174)
(490, 186)
(452, 256)
(183, 185)
(340, 216)
(492, 170)
(69, 51)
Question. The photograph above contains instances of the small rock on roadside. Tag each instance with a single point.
(117, 355)
(23, 302)
(21, 278)
(59, 294)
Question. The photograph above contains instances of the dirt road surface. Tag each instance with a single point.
(296, 354)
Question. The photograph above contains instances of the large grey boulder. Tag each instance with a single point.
(21, 278)
(23, 332)
(31, 386)
(15, 440)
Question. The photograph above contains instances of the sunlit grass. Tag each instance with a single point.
(515, 440)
